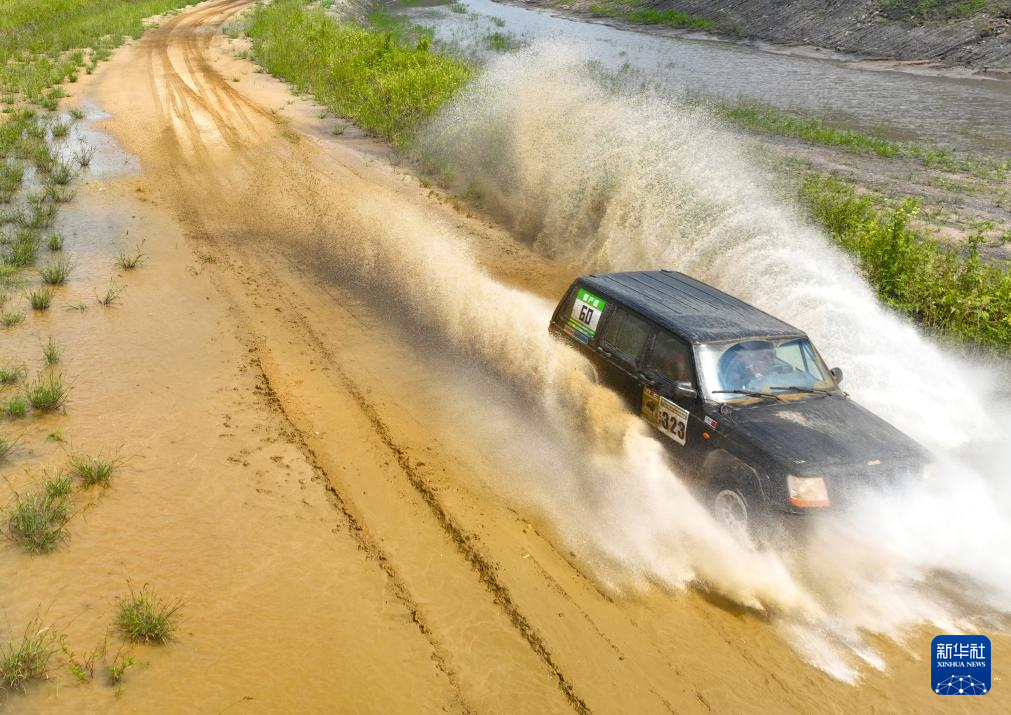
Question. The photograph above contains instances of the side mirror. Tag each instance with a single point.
(836, 373)
(685, 389)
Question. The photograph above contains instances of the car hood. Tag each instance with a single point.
(817, 433)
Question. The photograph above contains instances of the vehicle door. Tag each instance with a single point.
(621, 344)
(670, 399)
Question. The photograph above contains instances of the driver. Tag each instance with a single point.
(753, 363)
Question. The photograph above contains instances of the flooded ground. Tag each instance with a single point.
(966, 114)
(372, 497)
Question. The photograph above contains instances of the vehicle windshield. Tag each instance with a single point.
(732, 370)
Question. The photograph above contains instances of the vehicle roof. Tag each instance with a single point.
(690, 308)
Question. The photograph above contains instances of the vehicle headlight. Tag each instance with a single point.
(807, 492)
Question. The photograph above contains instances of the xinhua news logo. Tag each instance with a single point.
(960, 665)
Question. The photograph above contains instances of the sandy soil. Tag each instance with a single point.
(294, 470)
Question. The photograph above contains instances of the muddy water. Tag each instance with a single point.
(961, 113)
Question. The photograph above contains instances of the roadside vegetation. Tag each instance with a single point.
(949, 291)
(767, 119)
(387, 86)
(650, 16)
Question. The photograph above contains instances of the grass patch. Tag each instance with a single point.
(21, 249)
(767, 119)
(57, 487)
(36, 522)
(47, 392)
(11, 374)
(501, 41)
(652, 16)
(56, 272)
(15, 407)
(386, 85)
(10, 318)
(129, 261)
(948, 292)
(40, 298)
(6, 446)
(92, 471)
(112, 294)
(27, 658)
(51, 352)
(145, 618)
(45, 43)
(55, 242)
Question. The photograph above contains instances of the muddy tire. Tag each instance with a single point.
(734, 510)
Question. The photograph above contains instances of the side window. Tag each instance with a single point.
(671, 359)
(626, 334)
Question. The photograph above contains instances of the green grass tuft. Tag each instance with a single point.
(51, 352)
(58, 486)
(15, 407)
(92, 471)
(56, 272)
(40, 298)
(146, 618)
(11, 318)
(55, 242)
(131, 260)
(37, 522)
(12, 374)
(27, 659)
(47, 392)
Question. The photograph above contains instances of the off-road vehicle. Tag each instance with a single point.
(744, 400)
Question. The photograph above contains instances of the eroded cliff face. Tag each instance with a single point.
(894, 29)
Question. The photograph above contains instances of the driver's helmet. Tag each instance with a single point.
(746, 363)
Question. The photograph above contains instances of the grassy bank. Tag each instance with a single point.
(386, 85)
(767, 119)
(651, 16)
(47, 42)
(949, 292)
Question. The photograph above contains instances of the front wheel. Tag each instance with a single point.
(730, 507)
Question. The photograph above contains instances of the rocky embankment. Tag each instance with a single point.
(941, 32)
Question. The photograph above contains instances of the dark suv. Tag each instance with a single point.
(746, 403)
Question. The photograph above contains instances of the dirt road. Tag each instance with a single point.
(304, 471)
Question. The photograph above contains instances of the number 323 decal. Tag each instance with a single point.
(668, 417)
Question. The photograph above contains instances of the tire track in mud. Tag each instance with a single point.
(355, 527)
(464, 541)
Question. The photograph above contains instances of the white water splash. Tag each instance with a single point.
(621, 181)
